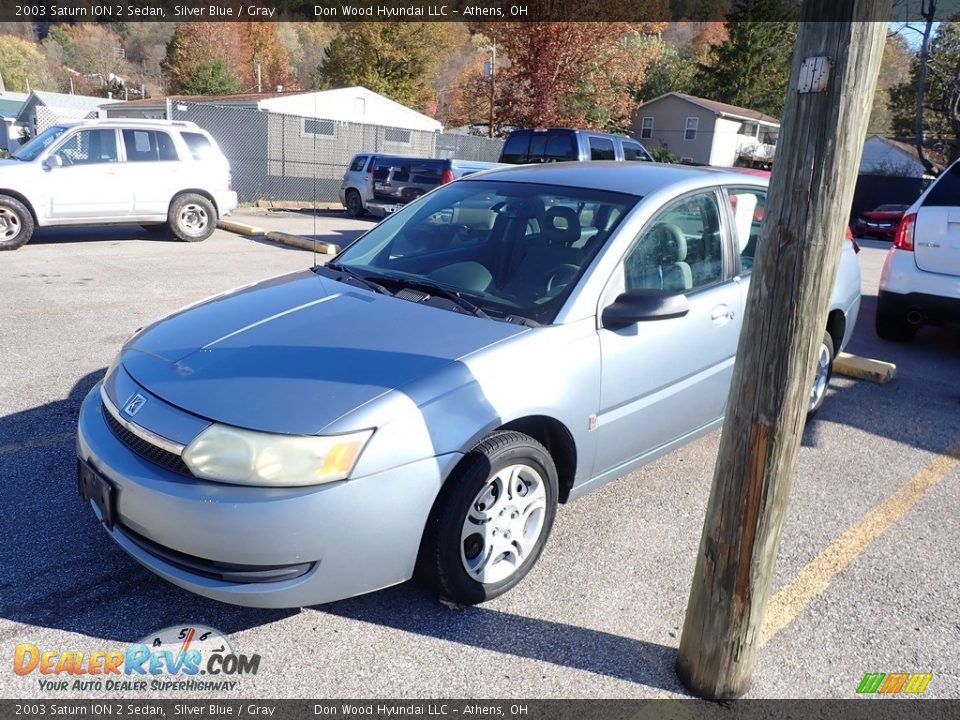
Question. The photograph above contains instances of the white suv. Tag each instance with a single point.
(164, 175)
(920, 282)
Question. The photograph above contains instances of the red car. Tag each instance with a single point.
(880, 222)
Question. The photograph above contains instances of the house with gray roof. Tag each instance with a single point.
(43, 109)
(706, 132)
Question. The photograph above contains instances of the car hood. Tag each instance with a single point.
(295, 353)
(7, 165)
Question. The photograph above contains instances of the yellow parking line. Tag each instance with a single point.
(37, 442)
(816, 576)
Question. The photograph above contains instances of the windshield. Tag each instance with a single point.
(41, 142)
(511, 249)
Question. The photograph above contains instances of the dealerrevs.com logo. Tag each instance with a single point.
(179, 658)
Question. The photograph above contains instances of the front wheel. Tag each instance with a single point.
(821, 377)
(492, 519)
(16, 223)
(192, 217)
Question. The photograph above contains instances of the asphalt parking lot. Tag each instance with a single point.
(866, 582)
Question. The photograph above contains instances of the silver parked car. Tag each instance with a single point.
(422, 403)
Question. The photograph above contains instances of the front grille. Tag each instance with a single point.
(227, 572)
(146, 450)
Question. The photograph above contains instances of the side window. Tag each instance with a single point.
(538, 148)
(747, 205)
(198, 144)
(89, 146)
(601, 149)
(166, 150)
(148, 146)
(646, 128)
(634, 151)
(690, 130)
(681, 251)
(358, 162)
(561, 147)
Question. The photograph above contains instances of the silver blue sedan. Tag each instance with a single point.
(421, 404)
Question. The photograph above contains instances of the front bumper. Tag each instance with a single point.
(863, 230)
(357, 536)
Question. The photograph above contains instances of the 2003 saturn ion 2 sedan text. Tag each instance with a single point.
(423, 402)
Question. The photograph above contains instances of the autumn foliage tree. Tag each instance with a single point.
(262, 48)
(569, 73)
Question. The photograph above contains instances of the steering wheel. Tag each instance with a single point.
(560, 277)
(461, 234)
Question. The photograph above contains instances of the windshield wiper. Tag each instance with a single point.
(353, 274)
(451, 295)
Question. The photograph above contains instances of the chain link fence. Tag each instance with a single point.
(47, 117)
(276, 156)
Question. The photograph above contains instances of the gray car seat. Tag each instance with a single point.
(661, 261)
(554, 252)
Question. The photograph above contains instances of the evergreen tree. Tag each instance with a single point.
(752, 68)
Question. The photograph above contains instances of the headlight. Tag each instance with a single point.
(245, 457)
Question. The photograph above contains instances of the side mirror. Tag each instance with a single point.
(52, 161)
(644, 305)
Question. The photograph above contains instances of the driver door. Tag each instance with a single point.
(663, 380)
(89, 184)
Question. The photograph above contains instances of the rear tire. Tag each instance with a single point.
(16, 223)
(192, 217)
(491, 519)
(354, 203)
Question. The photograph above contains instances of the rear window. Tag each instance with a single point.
(946, 189)
(515, 149)
(601, 149)
(398, 179)
(199, 145)
(634, 151)
(358, 162)
(539, 147)
(560, 147)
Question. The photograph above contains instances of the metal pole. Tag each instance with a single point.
(493, 86)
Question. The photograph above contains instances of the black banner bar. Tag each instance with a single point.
(52, 11)
(854, 709)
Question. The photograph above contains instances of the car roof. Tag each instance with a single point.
(633, 178)
(598, 133)
(132, 122)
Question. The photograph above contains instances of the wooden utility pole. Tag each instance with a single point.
(811, 190)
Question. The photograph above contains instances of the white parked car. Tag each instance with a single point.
(168, 175)
(920, 282)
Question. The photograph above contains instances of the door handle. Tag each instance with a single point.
(722, 312)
